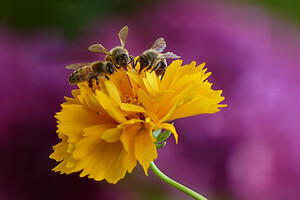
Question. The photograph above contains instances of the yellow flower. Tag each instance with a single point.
(107, 129)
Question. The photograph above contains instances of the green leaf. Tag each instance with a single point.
(156, 133)
(158, 146)
(163, 136)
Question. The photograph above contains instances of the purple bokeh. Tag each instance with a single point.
(249, 150)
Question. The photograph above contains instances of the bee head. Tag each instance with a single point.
(110, 68)
(122, 60)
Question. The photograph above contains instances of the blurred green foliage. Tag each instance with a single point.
(70, 16)
(287, 9)
(67, 15)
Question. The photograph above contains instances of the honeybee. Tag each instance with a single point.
(153, 58)
(90, 71)
(118, 56)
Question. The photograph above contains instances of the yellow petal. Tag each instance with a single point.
(112, 135)
(97, 129)
(103, 99)
(109, 162)
(109, 107)
(72, 162)
(73, 119)
(151, 83)
(168, 127)
(145, 150)
(121, 80)
(129, 123)
(132, 108)
(71, 100)
(112, 92)
(176, 99)
(116, 172)
(61, 167)
(201, 106)
(145, 100)
(60, 151)
(130, 129)
(100, 158)
(136, 78)
(170, 74)
(93, 103)
(86, 145)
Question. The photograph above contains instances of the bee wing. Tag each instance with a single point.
(76, 65)
(123, 35)
(159, 45)
(168, 55)
(98, 48)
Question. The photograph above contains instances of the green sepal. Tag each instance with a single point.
(163, 136)
(156, 133)
(158, 146)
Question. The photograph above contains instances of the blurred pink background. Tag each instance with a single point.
(249, 150)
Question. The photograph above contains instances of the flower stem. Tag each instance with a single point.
(173, 183)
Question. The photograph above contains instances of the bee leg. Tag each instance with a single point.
(146, 68)
(137, 60)
(141, 69)
(162, 75)
(149, 67)
(156, 67)
(107, 77)
(115, 66)
(90, 81)
(97, 80)
(132, 61)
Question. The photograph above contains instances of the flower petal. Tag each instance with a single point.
(151, 83)
(145, 100)
(107, 104)
(128, 136)
(132, 108)
(170, 74)
(121, 80)
(59, 150)
(201, 106)
(112, 91)
(112, 135)
(145, 150)
(73, 119)
(116, 172)
(99, 159)
(136, 78)
(168, 127)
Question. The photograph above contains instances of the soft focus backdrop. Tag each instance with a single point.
(249, 150)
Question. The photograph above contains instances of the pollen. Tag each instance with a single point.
(132, 100)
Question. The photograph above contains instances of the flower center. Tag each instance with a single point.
(135, 101)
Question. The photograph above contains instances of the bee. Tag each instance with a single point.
(153, 58)
(118, 56)
(90, 71)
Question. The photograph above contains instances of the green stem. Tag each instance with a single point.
(173, 183)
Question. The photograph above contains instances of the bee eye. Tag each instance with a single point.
(109, 65)
(122, 59)
(125, 56)
(147, 62)
(111, 70)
